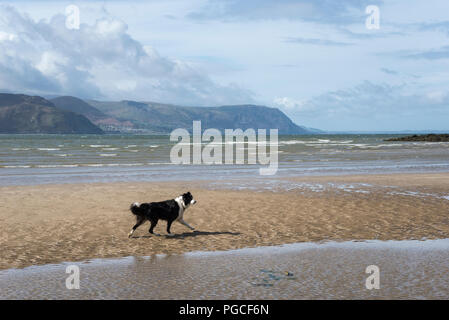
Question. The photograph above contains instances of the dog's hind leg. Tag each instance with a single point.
(140, 220)
(153, 224)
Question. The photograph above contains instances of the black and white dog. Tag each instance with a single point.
(168, 210)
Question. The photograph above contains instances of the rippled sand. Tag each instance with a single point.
(55, 223)
(408, 270)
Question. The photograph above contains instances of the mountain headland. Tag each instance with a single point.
(21, 113)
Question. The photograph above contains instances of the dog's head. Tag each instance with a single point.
(188, 199)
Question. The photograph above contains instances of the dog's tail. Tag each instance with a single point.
(136, 209)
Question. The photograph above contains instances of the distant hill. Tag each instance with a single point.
(33, 114)
(79, 106)
(104, 121)
(163, 118)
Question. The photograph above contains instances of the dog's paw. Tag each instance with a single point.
(130, 234)
(170, 234)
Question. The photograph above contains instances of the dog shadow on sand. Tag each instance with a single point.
(195, 233)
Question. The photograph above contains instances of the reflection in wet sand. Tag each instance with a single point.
(333, 270)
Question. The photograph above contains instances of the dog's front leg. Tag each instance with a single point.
(169, 234)
(186, 224)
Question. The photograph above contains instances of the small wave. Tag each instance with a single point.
(112, 165)
(20, 149)
(48, 149)
(162, 163)
(131, 164)
(57, 166)
(345, 141)
(293, 142)
(108, 154)
(99, 146)
(14, 167)
(110, 149)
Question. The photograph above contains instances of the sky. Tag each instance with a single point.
(327, 64)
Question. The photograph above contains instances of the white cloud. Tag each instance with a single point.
(370, 106)
(99, 60)
(289, 104)
(4, 36)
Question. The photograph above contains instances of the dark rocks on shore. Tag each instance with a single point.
(424, 137)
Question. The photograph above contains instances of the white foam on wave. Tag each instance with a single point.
(108, 154)
(14, 167)
(344, 142)
(292, 142)
(99, 145)
(57, 166)
(48, 149)
(418, 194)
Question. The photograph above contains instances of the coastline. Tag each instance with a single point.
(72, 222)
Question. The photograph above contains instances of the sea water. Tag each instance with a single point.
(40, 159)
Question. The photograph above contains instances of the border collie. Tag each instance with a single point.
(168, 210)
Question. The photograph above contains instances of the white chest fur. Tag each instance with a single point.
(181, 205)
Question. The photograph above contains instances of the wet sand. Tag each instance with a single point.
(407, 270)
(73, 222)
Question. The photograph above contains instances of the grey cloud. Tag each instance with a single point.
(389, 71)
(442, 26)
(319, 42)
(431, 54)
(342, 12)
(435, 54)
(371, 100)
(369, 34)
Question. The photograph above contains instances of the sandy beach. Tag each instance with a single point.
(72, 222)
